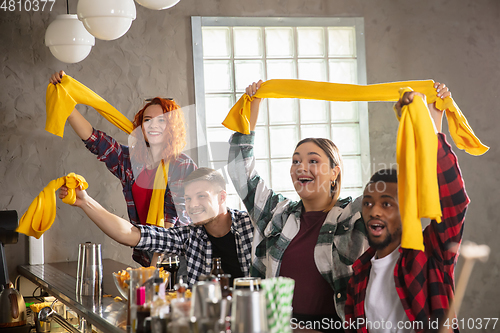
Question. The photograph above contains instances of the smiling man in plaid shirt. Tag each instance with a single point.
(217, 231)
(400, 290)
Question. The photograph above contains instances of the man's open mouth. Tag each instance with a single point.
(376, 227)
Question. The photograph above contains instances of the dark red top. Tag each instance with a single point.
(312, 295)
(142, 191)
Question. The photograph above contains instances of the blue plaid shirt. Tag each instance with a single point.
(193, 243)
(117, 160)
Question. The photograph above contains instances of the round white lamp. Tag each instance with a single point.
(157, 4)
(106, 19)
(68, 40)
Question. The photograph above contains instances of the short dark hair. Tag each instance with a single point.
(207, 174)
(385, 175)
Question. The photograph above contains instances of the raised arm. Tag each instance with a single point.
(112, 225)
(255, 105)
(79, 124)
(436, 114)
(259, 200)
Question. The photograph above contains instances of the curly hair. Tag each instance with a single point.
(174, 134)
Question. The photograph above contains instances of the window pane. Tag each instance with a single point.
(216, 108)
(218, 76)
(346, 137)
(247, 71)
(279, 42)
(311, 42)
(341, 42)
(313, 70)
(343, 71)
(216, 43)
(283, 111)
(314, 131)
(280, 171)
(218, 143)
(351, 192)
(221, 167)
(261, 149)
(262, 120)
(262, 167)
(247, 42)
(283, 140)
(313, 111)
(233, 201)
(292, 195)
(280, 69)
(352, 176)
(344, 111)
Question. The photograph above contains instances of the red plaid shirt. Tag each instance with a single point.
(424, 279)
(117, 160)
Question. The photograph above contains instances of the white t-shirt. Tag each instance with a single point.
(383, 308)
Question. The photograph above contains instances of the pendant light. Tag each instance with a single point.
(67, 38)
(157, 4)
(106, 19)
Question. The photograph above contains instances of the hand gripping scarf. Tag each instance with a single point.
(62, 98)
(42, 211)
(418, 191)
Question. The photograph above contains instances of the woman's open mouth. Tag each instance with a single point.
(305, 180)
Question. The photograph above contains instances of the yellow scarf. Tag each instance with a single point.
(416, 155)
(42, 211)
(156, 215)
(62, 98)
(418, 189)
(462, 134)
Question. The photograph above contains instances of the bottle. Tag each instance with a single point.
(160, 309)
(143, 310)
(181, 287)
(216, 266)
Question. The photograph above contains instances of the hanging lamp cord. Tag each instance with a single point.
(67, 6)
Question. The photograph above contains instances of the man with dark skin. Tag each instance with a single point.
(395, 289)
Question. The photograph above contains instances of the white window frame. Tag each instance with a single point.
(198, 22)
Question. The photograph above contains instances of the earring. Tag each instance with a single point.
(332, 185)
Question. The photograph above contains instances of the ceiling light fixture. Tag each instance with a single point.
(106, 19)
(157, 4)
(67, 38)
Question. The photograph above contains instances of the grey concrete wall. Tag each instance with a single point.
(456, 42)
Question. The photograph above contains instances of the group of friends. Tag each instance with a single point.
(350, 271)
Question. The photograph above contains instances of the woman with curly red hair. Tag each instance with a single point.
(159, 137)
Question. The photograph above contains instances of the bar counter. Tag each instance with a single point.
(59, 280)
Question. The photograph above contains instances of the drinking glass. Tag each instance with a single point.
(250, 283)
(170, 263)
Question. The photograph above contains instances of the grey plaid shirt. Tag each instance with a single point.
(193, 243)
(342, 237)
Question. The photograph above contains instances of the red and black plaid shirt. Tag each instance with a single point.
(424, 279)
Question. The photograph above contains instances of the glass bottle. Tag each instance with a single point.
(216, 266)
(143, 310)
(160, 309)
